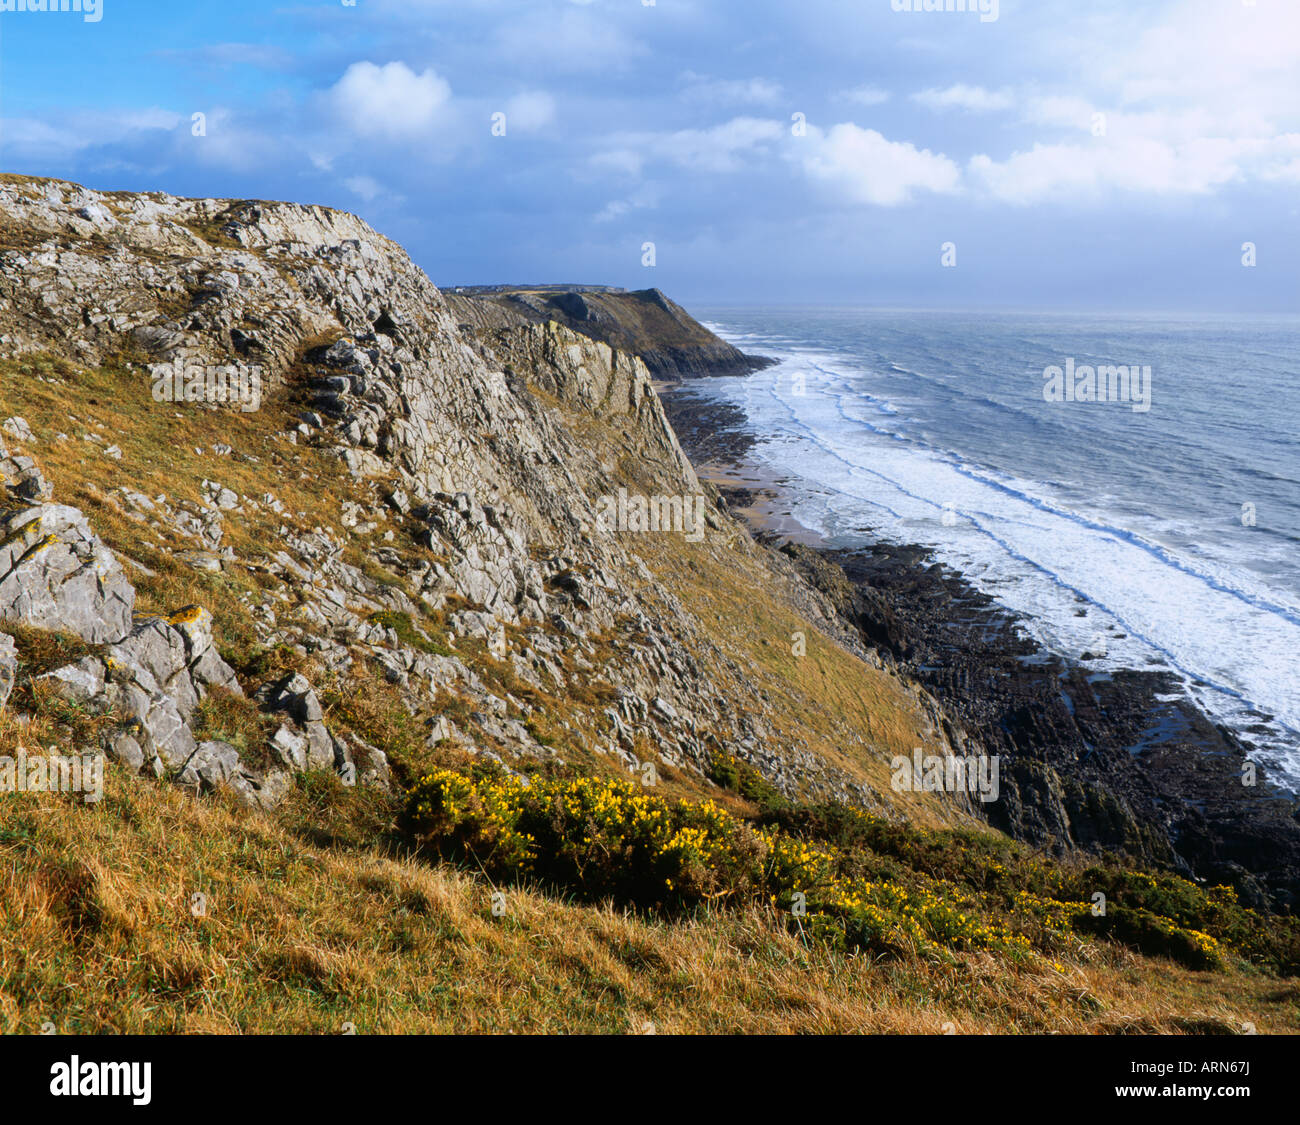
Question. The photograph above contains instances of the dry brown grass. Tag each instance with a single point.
(168, 448)
(313, 920)
(852, 716)
(97, 934)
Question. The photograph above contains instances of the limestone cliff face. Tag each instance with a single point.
(645, 323)
(491, 455)
(595, 378)
(95, 268)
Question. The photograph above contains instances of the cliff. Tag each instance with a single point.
(645, 323)
(353, 600)
(393, 471)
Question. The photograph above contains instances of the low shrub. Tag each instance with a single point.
(838, 875)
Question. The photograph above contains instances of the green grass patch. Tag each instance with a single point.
(409, 633)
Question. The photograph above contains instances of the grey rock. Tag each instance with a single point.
(21, 478)
(371, 766)
(156, 723)
(154, 677)
(155, 656)
(211, 764)
(200, 560)
(305, 743)
(295, 696)
(290, 747)
(206, 668)
(267, 790)
(127, 751)
(55, 573)
(400, 501)
(18, 429)
(8, 667)
(96, 213)
(82, 682)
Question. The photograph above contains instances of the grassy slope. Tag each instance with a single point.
(97, 934)
(829, 699)
(316, 919)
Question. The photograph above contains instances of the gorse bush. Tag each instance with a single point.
(736, 774)
(611, 839)
(838, 875)
(1195, 924)
(597, 839)
(1150, 933)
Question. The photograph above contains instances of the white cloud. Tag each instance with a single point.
(614, 209)
(154, 118)
(866, 96)
(865, 167)
(1059, 111)
(722, 148)
(617, 208)
(621, 161)
(975, 99)
(530, 111)
(576, 41)
(1284, 165)
(1132, 164)
(720, 91)
(61, 137)
(365, 186)
(1188, 106)
(258, 55)
(390, 100)
(23, 137)
(1238, 55)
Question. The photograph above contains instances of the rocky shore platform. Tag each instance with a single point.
(1093, 761)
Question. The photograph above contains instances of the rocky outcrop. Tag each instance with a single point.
(645, 323)
(595, 378)
(149, 674)
(20, 479)
(492, 455)
(302, 741)
(152, 679)
(55, 573)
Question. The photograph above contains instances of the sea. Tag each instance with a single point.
(1156, 531)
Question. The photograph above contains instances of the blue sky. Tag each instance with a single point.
(1079, 155)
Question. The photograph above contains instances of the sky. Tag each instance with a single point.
(1086, 155)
